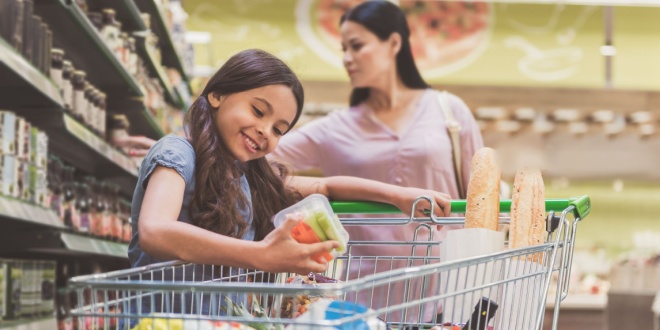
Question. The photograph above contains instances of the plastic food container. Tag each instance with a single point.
(317, 223)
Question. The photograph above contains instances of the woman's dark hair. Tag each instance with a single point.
(218, 197)
(383, 18)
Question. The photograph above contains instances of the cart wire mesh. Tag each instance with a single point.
(503, 290)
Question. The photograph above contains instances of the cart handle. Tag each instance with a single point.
(582, 206)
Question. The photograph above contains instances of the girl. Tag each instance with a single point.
(209, 198)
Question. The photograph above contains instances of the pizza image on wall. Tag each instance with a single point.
(445, 35)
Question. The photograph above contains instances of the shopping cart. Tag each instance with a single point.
(502, 290)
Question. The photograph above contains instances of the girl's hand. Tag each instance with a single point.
(406, 197)
(283, 254)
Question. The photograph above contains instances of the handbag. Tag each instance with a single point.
(454, 131)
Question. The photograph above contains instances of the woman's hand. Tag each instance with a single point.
(406, 197)
(281, 253)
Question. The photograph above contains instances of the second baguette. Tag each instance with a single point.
(483, 195)
(527, 209)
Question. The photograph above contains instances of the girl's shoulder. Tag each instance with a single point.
(173, 143)
(172, 151)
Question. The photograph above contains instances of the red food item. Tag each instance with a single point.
(303, 233)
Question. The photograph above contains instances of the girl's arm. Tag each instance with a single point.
(357, 189)
(162, 236)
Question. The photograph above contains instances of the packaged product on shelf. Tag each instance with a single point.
(9, 179)
(48, 47)
(38, 186)
(47, 303)
(125, 211)
(69, 213)
(13, 289)
(57, 64)
(89, 104)
(97, 226)
(30, 288)
(67, 86)
(54, 184)
(15, 30)
(83, 222)
(119, 43)
(37, 41)
(109, 31)
(123, 51)
(100, 118)
(8, 133)
(24, 180)
(79, 102)
(132, 57)
(113, 207)
(3, 289)
(28, 29)
(38, 148)
(96, 19)
(22, 139)
(118, 128)
(82, 4)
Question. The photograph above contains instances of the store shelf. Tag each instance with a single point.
(24, 82)
(62, 243)
(141, 119)
(43, 323)
(28, 215)
(158, 71)
(82, 244)
(73, 32)
(171, 57)
(77, 145)
(126, 12)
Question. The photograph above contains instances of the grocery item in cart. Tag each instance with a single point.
(316, 223)
(292, 307)
(528, 227)
(327, 309)
(164, 323)
(483, 195)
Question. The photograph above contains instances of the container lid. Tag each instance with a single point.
(318, 222)
(57, 51)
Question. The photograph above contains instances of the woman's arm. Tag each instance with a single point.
(162, 236)
(357, 189)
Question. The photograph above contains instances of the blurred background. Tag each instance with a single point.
(570, 85)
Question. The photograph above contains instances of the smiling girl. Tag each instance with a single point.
(209, 198)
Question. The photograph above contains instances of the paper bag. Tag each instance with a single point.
(468, 243)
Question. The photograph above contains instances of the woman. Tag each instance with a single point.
(393, 132)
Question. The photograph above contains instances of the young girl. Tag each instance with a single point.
(209, 198)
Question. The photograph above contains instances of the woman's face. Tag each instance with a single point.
(251, 123)
(367, 59)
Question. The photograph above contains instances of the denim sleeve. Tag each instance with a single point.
(172, 152)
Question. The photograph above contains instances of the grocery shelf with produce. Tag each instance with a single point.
(73, 32)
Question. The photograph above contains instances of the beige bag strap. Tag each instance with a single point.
(454, 131)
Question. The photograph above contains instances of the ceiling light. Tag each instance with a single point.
(641, 117)
(525, 114)
(491, 113)
(566, 115)
(603, 116)
(607, 50)
(578, 128)
(507, 126)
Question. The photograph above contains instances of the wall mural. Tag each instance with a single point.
(454, 42)
(445, 36)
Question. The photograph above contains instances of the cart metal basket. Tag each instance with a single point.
(503, 290)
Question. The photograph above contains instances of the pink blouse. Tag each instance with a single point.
(354, 142)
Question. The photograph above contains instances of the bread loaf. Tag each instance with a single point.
(483, 195)
(527, 210)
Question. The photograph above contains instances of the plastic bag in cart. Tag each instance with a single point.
(327, 309)
(160, 322)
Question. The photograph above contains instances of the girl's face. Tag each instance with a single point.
(252, 122)
(367, 59)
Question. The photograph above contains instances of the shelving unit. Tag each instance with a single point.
(42, 323)
(126, 12)
(157, 70)
(171, 57)
(74, 33)
(31, 229)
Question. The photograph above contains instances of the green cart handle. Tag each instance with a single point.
(582, 206)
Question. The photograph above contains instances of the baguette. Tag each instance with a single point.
(528, 210)
(483, 195)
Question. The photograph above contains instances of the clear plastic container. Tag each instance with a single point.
(318, 224)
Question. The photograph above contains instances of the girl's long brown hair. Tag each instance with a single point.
(218, 197)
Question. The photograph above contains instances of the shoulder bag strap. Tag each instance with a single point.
(454, 131)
